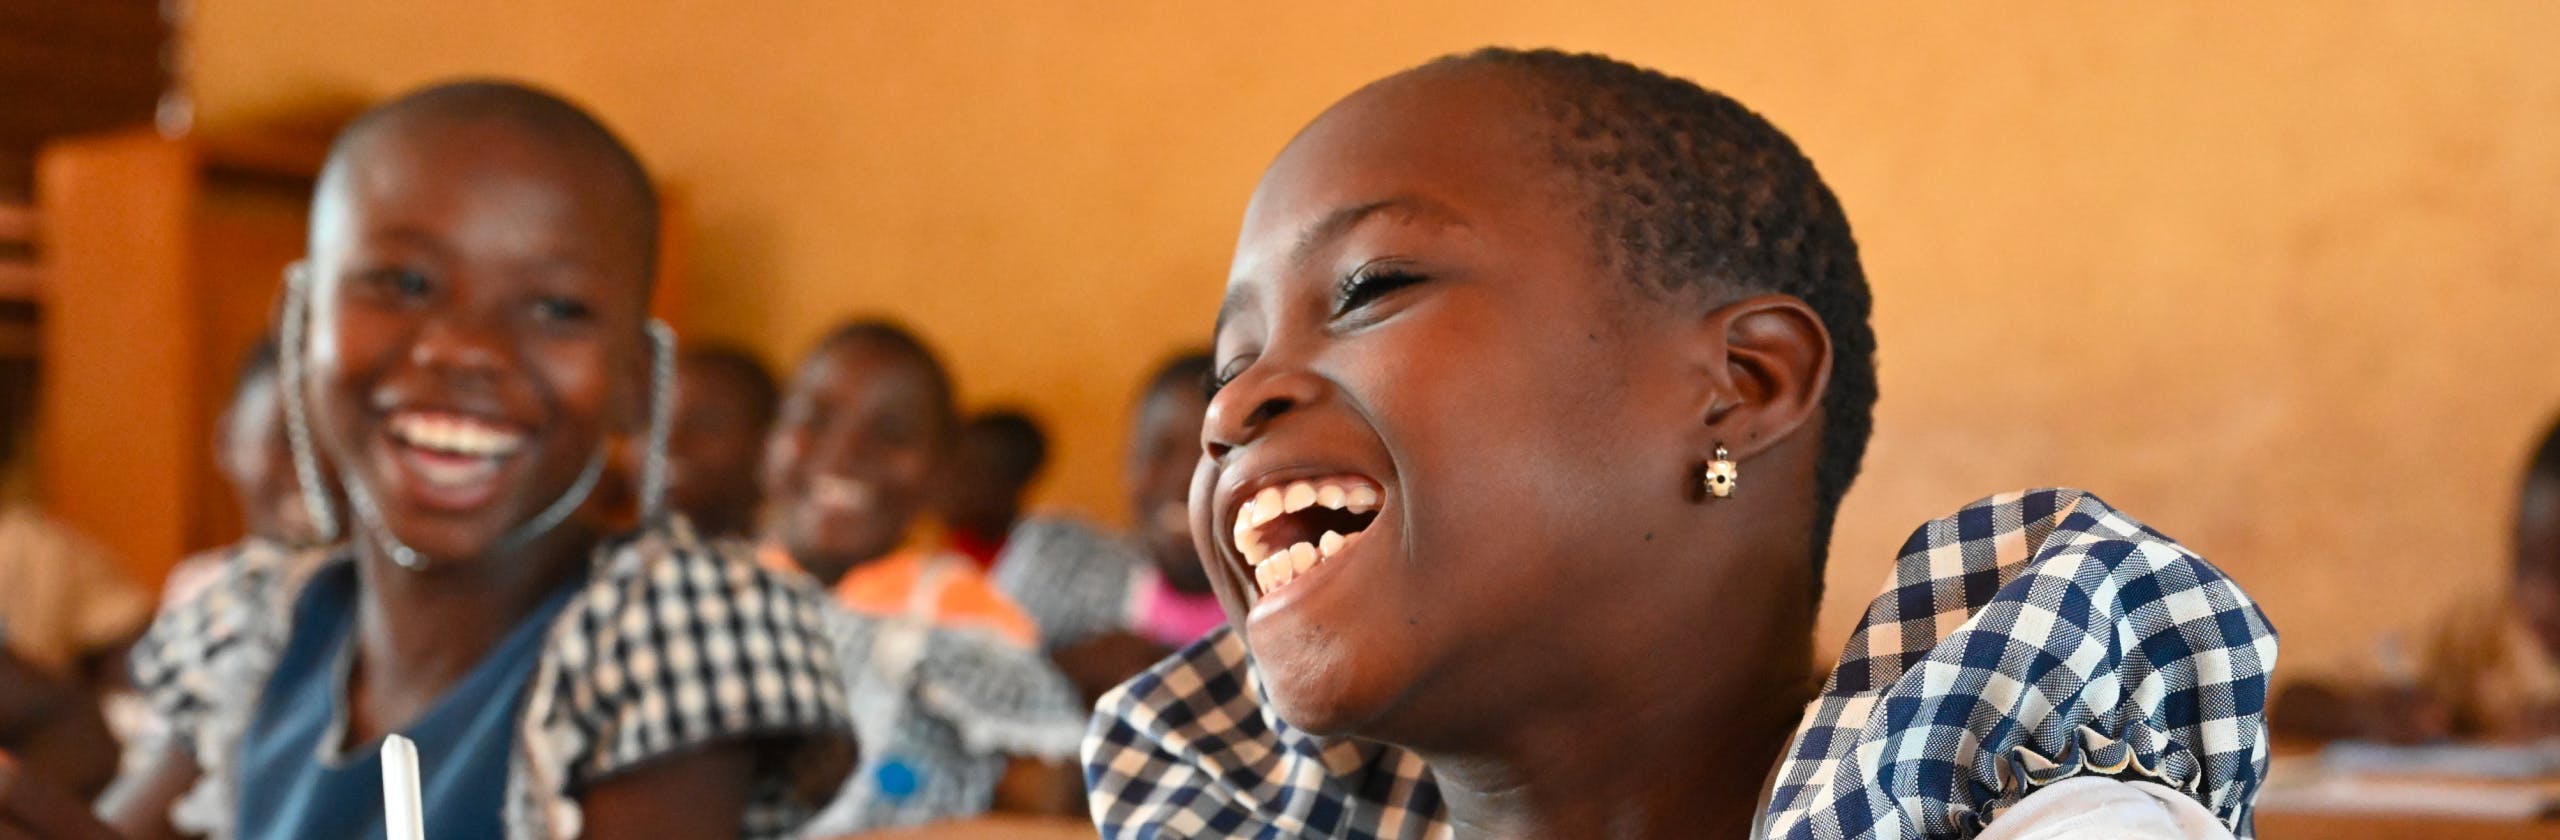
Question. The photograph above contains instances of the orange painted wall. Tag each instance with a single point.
(2279, 279)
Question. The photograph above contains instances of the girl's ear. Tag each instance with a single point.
(1766, 361)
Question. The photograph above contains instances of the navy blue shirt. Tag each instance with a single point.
(294, 781)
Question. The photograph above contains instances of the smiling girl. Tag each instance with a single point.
(467, 333)
(1540, 380)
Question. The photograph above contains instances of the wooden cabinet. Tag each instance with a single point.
(158, 271)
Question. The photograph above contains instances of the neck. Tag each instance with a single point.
(1654, 769)
(1643, 727)
(420, 631)
(739, 523)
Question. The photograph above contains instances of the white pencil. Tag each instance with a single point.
(400, 805)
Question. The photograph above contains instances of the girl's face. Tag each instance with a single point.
(1423, 354)
(852, 456)
(1163, 448)
(476, 327)
(715, 447)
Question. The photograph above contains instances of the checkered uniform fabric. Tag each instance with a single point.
(1074, 581)
(939, 722)
(1187, 749)
(2032, 637)
(671, 644)
(2028, 638)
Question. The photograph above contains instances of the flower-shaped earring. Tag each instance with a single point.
(1721, 474)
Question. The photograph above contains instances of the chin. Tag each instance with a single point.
(442, 548)
(1326, 695)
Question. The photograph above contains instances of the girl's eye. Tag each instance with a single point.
(1369, 283)
(563, 309)
(1226, 373)
(404, 283)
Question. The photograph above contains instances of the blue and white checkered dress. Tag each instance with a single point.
(2028, 638)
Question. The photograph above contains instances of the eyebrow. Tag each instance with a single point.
(1334, 226)
(1344, 220)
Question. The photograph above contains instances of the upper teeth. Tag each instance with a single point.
(831, 491)
(1275, 567)
(456, 434)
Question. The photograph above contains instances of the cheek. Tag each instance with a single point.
(1516, 463)
(348, 350)
(573, 377)
(780, 454)
(737, 454)
(910, 468)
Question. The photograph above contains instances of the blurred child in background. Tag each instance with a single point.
(2489, 669)
(1108, 607)
(997, 456)
(949, 695)
(252, 454)
(725, 401)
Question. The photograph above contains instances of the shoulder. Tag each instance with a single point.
(969, 601)
(676, 643)
(204, 660)
(998, 696)
(1064, 542)
(1072, 578)
(242, 608)
(2072, 637)
(665, 604)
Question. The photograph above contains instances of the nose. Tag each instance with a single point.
(1245, 409)
(460, 345)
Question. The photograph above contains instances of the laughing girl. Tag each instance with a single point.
(1540, 380)
(467, 333)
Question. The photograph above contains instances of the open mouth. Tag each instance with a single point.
(453, 451)
(839, 495)
(1288, 530)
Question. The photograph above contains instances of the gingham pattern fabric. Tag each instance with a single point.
(2032, 637)
(203, 662)
(1074, 581)
(938, 730)
(1186, 749)
(671, 644)
(2028, 638)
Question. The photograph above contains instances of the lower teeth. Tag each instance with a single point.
(1284, 567)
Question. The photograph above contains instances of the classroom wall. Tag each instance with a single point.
(2278, 279)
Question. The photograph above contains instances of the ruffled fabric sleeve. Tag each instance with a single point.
(1072, 580)
(677, 643)
(2031, 638)
(203, 662)
(998, 698)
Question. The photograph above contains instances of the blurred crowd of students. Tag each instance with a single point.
(968, 638)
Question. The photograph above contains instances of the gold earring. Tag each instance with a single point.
(1722, 473)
